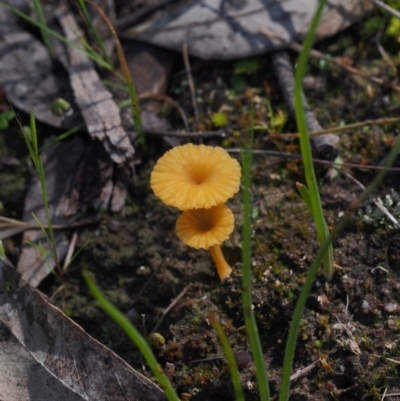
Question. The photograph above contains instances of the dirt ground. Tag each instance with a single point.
(348, 346)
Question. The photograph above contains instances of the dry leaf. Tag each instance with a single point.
(27, 75)
(220, 29)
(61, 347)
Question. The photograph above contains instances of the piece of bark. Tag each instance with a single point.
(101, 114)
(326, 146)
(78, 176)
(64, 349)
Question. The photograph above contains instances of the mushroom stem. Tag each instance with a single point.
(223, 269)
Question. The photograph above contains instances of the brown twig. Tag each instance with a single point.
(191, 83)
(382, 51)
(167, 99)
(387, 8)
(171, 305)
(377, 203)
(381, 121)
(286, 155)
(183, 134)
(70, 252)
(165, 258)
(10, 223)
(309, 368)
(337, 62)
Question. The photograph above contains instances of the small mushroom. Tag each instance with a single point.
(195, 176)
(207, 229)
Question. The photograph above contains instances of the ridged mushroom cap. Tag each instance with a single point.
(203, 228)
(195, 176)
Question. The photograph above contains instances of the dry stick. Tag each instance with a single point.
(152, 276)
(191, 83)
(338, 63)
(71, 249)
(184, 134)
(367, 123)
(286, 155)
(382, 51)
(325, 145)
(386, 359)
(209, 359)
(309, 368)
(387, 8)
(10, 223)
(166, 98)
(377, 203)
(171, 305)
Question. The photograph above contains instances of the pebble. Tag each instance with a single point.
(243, 359)
(132, 314)
(391, 307)
(365, 306)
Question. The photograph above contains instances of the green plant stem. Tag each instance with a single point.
(249, 318)
(230, 358)
(305, 146)
(94, 31)
(32, 144)
(294, 327)
(136, 113)
(2, 251)
(305, 195)
(134, 335)
(43, 32)
(92, 55)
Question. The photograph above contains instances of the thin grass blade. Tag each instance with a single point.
(230, 357)
(250, 321)
(133, 334)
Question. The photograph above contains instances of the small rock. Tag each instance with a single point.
(385, 291)
(365, 306)
(243, 359)
(132, 314)
(391, 324)
(391, 307)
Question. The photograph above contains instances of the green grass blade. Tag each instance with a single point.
(312, 186)
(91, 55)
(136, 113)
(294, 328)
(32, 144)
(134, 335)
(94, 31)
(62, 136)
(250, 321)
(305, 195)
(43, 32)
(2, 250)
(230, 358)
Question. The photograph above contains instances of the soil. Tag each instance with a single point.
(348, 346)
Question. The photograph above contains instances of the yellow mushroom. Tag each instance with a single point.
(195, 176)
(207, 229)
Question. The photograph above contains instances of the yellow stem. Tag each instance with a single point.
(223, 269)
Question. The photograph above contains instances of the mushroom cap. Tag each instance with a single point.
(203, 228)
(195, 176)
